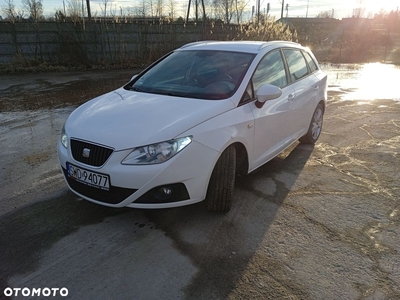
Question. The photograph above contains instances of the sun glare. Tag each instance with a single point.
(376, 81)
(373, 6)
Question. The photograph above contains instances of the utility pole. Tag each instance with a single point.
(308, 2)
(204, 11)
(283, 5)
(187, 16)
(287, 10)
(83, 15)
(88, 9)
(197, 11)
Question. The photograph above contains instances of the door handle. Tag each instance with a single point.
(291, 97)
(316, 88)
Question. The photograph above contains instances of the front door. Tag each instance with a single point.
(272, 122)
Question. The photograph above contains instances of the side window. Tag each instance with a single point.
(310, 61)
(296, 63)
(248, 94)
(270, 70)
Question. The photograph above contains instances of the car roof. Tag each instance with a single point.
(240, 46)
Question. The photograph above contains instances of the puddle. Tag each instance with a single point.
(28, 151)
(365, 82)
(57, 90)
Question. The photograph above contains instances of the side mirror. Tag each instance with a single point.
(267, 92)
(134, 76)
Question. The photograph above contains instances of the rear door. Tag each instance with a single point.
(305, 86)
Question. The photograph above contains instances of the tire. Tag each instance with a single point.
(315, 128)
(222, 182)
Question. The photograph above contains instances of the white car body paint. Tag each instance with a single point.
(123, 120)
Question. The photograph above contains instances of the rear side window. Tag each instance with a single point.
(296, 63)
(311, 62)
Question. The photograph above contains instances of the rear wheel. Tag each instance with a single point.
(315, 128)
(222, 182)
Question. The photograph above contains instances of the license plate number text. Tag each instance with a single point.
(93, 179)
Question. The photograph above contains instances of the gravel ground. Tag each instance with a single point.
(317, 222)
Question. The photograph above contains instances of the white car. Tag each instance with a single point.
(180, 131)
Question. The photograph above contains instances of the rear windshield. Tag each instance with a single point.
(201, 74)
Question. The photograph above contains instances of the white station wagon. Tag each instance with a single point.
(180, 131)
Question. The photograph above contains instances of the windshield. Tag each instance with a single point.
(201, 74)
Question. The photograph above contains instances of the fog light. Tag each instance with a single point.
(166, 190)
(163, 193)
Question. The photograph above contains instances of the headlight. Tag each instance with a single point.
(64, 137)
(156, 153)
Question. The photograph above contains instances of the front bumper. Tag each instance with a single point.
(186, 175)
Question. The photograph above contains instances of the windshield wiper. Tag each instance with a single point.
(166, 93)
(136, 89)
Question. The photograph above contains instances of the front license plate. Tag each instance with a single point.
(93, 179)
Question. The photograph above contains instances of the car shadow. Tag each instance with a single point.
(27, 233)
(220, 246)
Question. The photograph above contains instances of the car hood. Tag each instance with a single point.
(126, 119)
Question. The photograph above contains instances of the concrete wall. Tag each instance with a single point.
(98, 41)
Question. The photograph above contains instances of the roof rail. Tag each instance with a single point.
(262, 45)
(288, 42)
(265, 44)
(197, 43)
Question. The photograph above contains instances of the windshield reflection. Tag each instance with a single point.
(203, 74)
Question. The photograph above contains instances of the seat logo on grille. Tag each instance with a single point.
(86, 152)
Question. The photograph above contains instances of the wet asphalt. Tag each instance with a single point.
(315, 222)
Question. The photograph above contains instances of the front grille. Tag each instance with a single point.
(113, 196)
(97, 157)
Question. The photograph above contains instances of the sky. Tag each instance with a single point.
(297, 8)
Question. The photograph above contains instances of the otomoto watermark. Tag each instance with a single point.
(36, 292)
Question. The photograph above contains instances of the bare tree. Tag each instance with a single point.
(171, 9)
(34, 8)
(229, 10)
(141, 9)
(11, 15)
(159, 8)
(103, 7)
(59, 16)
(324, 14)
(359, 11)
(113, 11)
(9, 10)
(224, 9)
(74, 10)
(150, 7)
(240, 6)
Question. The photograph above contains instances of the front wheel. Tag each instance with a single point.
(222, 182)
(315, 127)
